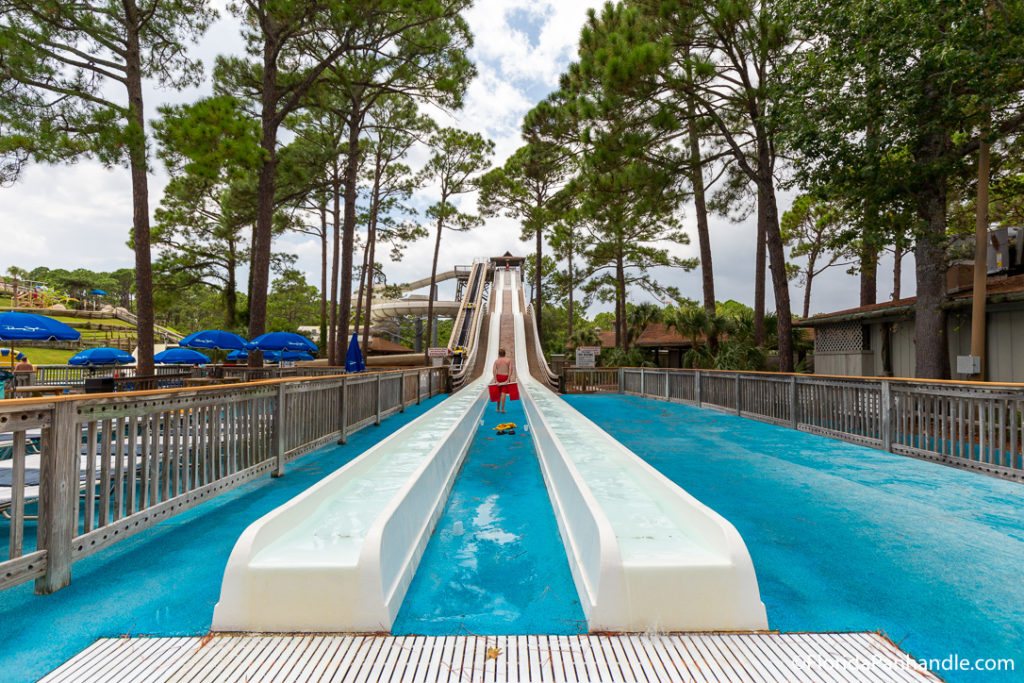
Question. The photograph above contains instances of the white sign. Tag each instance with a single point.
(585, 358)
(595, 349)
(437, 352)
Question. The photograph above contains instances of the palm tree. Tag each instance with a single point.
(584, 336)
(638, 318)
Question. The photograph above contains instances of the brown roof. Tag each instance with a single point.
(383, 346)
(659, 334)
(1008, 285)
(607, 339)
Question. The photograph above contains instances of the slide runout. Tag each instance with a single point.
(644, 553)
(340, 556)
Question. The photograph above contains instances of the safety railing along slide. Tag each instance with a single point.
(645, 555)
(464, 342)
(78, 474)
(977, 426)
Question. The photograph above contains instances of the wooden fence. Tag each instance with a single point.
(73, 375)
(111, 465)
(972, 425)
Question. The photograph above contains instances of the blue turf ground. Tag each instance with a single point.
(845, 537)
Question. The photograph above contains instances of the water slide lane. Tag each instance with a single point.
(495, 564)
(644, 553)
(340, 556)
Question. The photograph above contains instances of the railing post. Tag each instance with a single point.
(419, 385)
(886, 408)
(401, 393)
(58, 497)
(344, 413)
(377, 422)
(794, 405)
(696, 387)
(643, 382)
(279, 434)
(622, 380)
(667, 376)
(738, 404)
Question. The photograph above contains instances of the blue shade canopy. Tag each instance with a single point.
(18, 355)
(354, 357)
(103, 355)
(281, 341)
(97, 292)
(182, 356)
(26, 326)
(272, 356)
(213, 339)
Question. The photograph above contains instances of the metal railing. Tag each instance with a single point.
(977, 426)
(111, 465)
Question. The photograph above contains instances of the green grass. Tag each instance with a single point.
(113, 322)
(46, 356)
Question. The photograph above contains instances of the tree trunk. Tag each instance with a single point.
(897, 271)
(349, 232)
(979, 287)
(868, 275)
(572, 286)
(703, 233)
(931, 346)
(780, 279)
(231, 290)
(807, 290)
(332, 333)
(621, 338)
(430, 294)
(323, 276)
(759, 263)
(538, 307)
(362, 284)
(259, 277)
(371, 242)
(140, 194)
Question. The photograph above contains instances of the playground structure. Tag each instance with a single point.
(340, 556)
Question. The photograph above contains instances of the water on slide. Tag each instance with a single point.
(496, 563)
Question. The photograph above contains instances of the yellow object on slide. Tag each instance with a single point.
(506, 425)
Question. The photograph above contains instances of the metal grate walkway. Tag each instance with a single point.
(789, 657)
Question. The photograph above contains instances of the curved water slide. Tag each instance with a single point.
(340, 556)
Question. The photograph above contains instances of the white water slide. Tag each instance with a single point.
(644, 554)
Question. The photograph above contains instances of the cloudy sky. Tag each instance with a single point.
(80, 215)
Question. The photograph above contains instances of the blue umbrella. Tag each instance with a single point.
(181, 356)
(29, 326)
(103, 355)
(97, 292)
(213, 339)
(18, 355)
(272, 356)
(354, 357)
(281, 341)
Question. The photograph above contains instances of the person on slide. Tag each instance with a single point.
(503, 379)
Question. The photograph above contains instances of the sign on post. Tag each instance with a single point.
(436, 354)
(585, 357)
